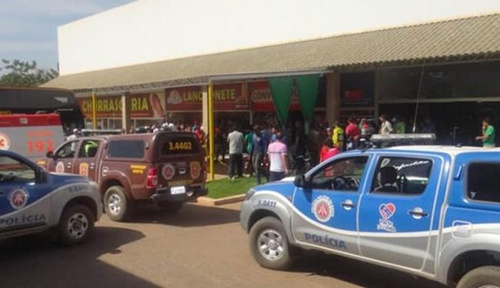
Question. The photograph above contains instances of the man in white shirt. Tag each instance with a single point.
(73, 137)
(277, 152)
(235, 140)
(385, 125)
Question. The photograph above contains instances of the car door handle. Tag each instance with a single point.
(348, 204)
(418, 212)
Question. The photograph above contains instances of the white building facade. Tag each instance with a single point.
(154, 30)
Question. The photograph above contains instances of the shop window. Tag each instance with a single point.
(357, 89)
(114, 124)
(472, 80)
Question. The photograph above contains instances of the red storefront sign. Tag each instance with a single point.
(184, 99)
(227, 97)
(141, 105)
(262, 101)
(230, 97)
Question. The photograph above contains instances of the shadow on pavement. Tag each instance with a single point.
(191, 215)
(35, 261)
(358, 273)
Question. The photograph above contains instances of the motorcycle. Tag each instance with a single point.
(301, 164)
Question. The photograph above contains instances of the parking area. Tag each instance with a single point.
(200, 247)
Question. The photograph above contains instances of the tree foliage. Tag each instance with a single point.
(24, 74)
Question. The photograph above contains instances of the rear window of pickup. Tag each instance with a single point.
(126, 149)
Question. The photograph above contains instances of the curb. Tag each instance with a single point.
(207, 201)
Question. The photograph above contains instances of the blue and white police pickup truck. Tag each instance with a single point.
(430, 211)
(33, 200)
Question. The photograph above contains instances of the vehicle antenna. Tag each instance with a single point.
(414, 129)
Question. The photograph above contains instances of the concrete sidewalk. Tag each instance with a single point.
(207, 201)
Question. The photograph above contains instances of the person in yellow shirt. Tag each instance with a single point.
(338, 136)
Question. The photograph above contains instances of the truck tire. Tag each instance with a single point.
(486, 276)
(170, 207)
(75, 224)
(116, 204)
(269, 244)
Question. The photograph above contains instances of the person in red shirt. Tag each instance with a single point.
(324, 149)
(200, 134)
(333, 151)
(328, 150)
(352, 134)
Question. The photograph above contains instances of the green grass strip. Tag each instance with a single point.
(226, 187)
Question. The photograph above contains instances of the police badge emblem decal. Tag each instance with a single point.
(323, 209)
(60, 167)
(195, 169)
(168, 171)
(18, 198)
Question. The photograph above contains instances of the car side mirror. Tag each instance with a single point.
(301, 181)
(50, 154)
(40, 175)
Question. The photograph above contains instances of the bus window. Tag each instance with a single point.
(24, 100)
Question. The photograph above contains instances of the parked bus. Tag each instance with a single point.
(24, 100)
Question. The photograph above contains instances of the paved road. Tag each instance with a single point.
(201, 247)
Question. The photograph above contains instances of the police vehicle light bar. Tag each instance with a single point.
(100, 131)
(417, 137)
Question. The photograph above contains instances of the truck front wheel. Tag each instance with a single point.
(75, 224)
(118, 207)
(482, 277)
(269, 244)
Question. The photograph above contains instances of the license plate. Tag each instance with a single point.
(178, 190)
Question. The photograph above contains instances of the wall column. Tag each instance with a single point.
(204, 100)
(126, 121)
(332, 97)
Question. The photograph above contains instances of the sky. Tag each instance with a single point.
(28, 28)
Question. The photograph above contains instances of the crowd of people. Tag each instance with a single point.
(273, 153)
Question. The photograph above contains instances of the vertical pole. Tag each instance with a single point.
(377, 94)
(333, 97)
(206, 128)
(94, 112)
(126, 118)
(211, 129)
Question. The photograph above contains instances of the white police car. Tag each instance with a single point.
(430, 211)
(33, 200)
